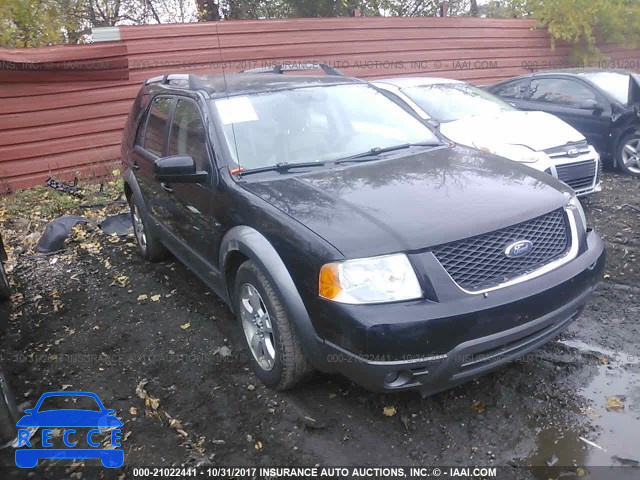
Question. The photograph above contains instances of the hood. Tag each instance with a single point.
(413, 202)
(536, 130)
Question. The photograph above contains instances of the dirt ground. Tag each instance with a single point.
(157, 347)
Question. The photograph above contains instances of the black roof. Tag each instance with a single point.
(247, 83)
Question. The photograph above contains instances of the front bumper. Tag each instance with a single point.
(582, 173)
(458, 339)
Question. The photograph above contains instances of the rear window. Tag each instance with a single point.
(615, 84)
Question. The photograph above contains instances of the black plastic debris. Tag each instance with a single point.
(65, 187)
(119, 224)
(52, 240)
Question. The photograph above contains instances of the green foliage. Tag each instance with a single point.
(582, 23)
(29, 23)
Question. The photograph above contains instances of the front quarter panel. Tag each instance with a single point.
(291, 276)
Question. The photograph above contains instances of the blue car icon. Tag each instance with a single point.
(69, 419)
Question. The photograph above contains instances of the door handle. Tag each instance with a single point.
(135, 166)
(166, 187)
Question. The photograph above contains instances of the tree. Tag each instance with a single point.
(29, 23)
(583, 22)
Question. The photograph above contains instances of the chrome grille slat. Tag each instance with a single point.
(479, 262)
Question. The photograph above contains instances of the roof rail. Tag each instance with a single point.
(292, 67)
(180, 80)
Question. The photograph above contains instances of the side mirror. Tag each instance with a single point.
(590, 104)
(178, 169)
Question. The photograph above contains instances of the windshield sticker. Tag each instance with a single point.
(236, 110)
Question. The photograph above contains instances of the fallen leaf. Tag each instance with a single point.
(142, 297)
(478, 406)
(155, 298)
(185, 326)
(258, 445)
(133, 410)
(151, 402)
(389, 411)
(614, 403)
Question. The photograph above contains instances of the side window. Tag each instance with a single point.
(188, 135)
(515, 90)
(156, 125)
(560, 91)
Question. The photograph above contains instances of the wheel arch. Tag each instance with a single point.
(243, 243)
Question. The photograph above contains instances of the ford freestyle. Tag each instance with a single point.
(349, 237)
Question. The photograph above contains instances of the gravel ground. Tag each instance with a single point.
(161, 350)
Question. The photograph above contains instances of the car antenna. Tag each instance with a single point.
(226, 89)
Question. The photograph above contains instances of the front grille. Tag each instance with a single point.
(579, 175)
(480, 262)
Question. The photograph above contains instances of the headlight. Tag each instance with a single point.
(575, 205)
(517, 153)
(390, 278)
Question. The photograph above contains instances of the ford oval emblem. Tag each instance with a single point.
(574, 152)
(518, 249)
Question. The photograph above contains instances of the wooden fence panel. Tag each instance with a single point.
(62, 108)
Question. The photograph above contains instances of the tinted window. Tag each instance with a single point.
(515, 90)
(156, 125)
(188, 135)
(560, 91)
(452, 101)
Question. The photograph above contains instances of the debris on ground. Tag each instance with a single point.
(57, 231)
(615, 403)
(64, 187)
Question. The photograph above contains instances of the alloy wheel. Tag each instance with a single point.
(631, 155)
(257, 327)
(138, 227)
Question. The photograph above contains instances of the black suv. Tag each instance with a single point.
(349, 237)
(603, 105)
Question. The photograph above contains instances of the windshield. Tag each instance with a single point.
(615, 84)
(446, 102)
(314, 124)
(78, 402)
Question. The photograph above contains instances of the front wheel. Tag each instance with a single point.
(275, 351)
(629, 154)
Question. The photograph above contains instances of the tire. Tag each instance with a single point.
(149, 246)
(5, 289)
(628, 154)
(277, 357)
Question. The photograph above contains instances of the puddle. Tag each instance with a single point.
(617, 433)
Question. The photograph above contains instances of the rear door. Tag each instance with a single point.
(575, 102)
(192, 218)
(151, 145)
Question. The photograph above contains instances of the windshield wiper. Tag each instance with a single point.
(375, 153)
(281, 167)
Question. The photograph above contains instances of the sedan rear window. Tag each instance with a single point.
(615, 84)
(314, 124)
